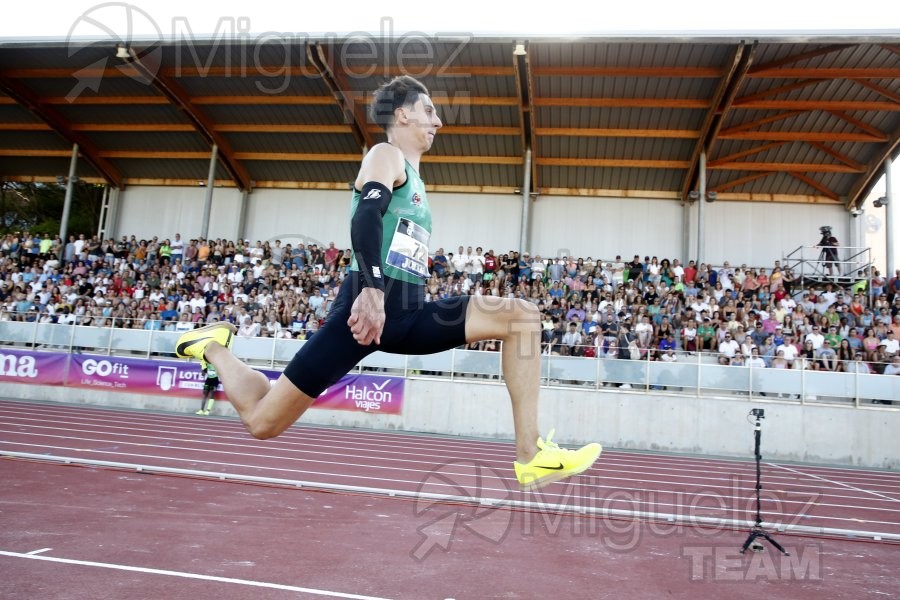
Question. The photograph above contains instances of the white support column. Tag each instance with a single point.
(701, 203)
(67, 203)
(889, 212)
(526, 205)
(207, 201)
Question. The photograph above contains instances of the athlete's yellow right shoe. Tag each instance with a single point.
(192, 344)
(553, 463)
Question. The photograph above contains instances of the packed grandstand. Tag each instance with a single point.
(636, 308)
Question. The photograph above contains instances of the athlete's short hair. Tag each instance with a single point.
(402, 90)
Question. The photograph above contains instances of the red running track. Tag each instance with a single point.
(194, 536)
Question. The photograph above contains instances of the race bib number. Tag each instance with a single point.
(409, 249)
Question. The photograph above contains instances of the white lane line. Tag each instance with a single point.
(568, 500)
(262, 584)
(308, 433)
(39, 551)
(308, 468)
(837, 483)
(309, 455)
(302, 432)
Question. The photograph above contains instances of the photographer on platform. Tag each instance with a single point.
(829, 245)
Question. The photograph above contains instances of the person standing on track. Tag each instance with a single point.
(210, 383)
(381, 303)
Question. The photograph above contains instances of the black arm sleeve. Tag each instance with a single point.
(366, 230)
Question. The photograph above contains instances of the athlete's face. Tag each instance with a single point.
(422, 117)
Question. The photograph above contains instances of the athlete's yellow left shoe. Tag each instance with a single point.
(553, 463)
(192, 344)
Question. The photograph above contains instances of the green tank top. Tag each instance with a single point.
(406, 230)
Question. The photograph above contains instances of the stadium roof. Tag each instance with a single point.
(800, 120)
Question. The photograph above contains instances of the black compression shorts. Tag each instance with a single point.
(412, 326)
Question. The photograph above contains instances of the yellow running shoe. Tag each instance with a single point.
(553, 463)
(202, 412)
(192, 344)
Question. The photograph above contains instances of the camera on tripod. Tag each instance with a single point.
(759, 413)
(825, 229)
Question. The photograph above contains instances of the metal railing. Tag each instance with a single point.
(692, 374)
(810, 262)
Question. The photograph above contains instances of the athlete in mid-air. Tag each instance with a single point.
(381, 304)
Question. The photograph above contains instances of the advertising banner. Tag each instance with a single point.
(368, 393)
(357, 392)
(371, 393)
(41, 368)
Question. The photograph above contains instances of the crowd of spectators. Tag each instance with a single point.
(639, 309)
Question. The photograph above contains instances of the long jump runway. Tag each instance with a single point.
(107, 503)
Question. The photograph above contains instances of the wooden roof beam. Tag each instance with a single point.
(25, 127)
(740, 181)
(280, 128)
(829, 73)
(181, 99)
(181, 72)
(803, 136)
(591, 71)
(524, 72)
(859, 124)
(681, 103)
(873, 170)
(827, 105)
(624, 133)
(354, 111)
(617, 163)
(55, 120)
(758, 122)
(248, 99)
(878, 89)
(744, 153)
(837, 156)
(253, 69)
(430, 71)
(35, 153)
(783, 167)
(736, 68)
(779, 90)
(815, 185)
(788, 60)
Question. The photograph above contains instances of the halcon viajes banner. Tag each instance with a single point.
(357, 392)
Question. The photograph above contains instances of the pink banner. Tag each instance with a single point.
(356, 392)
(368, 393)
(371, 393)
(42, 368)
(135, 375)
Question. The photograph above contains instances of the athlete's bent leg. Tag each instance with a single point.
(265, 410)
(517, 324)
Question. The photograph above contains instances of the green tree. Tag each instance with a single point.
(38, 207)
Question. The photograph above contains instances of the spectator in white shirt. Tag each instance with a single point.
(728, 347)
(816, 337)
(571, 341)
(890, 343)
(459, 262)
(476, 265)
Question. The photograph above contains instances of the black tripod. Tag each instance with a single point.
(757, 531)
